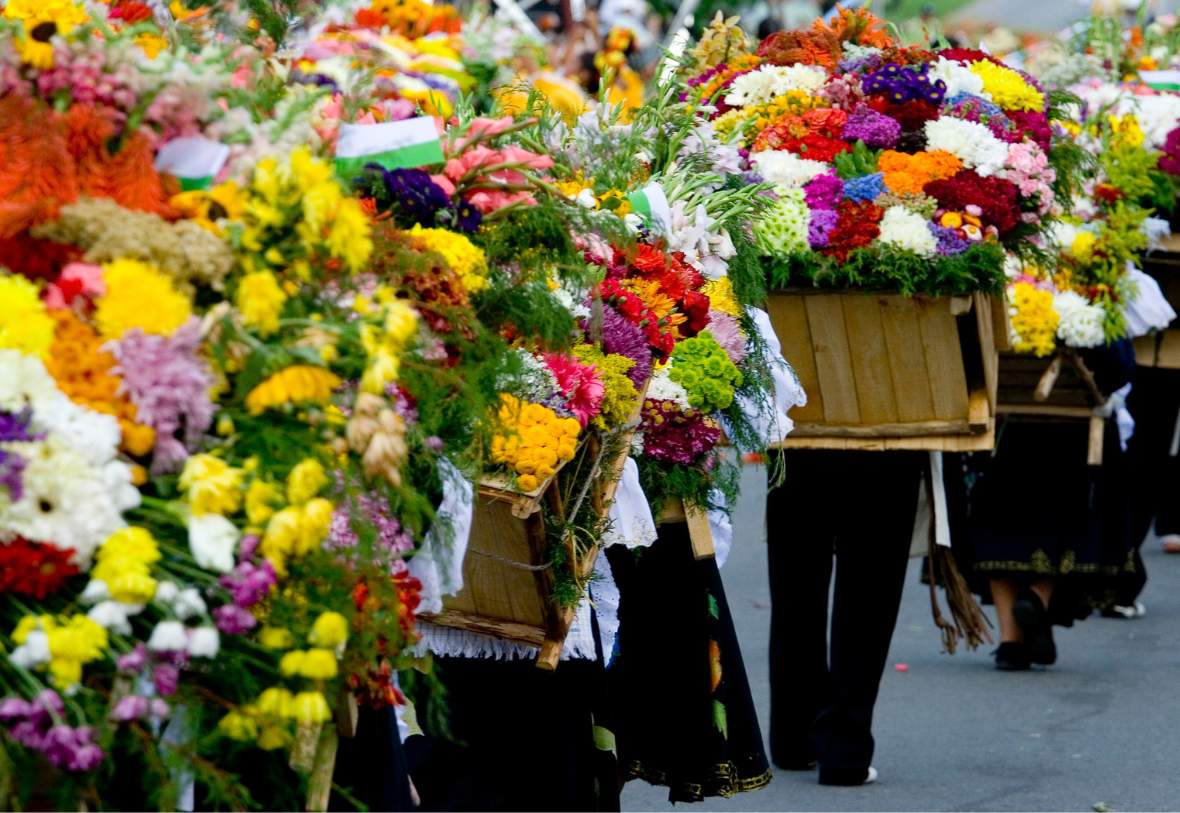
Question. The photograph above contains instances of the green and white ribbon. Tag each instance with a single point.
(651, 204)
(194, 160)
(392, 144)
(1161, 80)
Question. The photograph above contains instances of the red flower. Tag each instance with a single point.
(856, 227)
(131, 12)
(649, 259)
(1108, 193)
(34, 569)
(997, 199)
(911, 115)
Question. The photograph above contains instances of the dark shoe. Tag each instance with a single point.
(848, 779)
(793, 761)
(1034, 623)
(1012, 657)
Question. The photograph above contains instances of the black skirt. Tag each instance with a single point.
(684, 714)
(1035, 509)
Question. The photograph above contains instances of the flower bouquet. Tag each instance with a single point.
(902, 177)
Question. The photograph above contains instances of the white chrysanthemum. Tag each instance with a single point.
(66, 501)
(663, 388)
(1063, 233)
(771, 81)
(1157, 116)
(971, 142)
(114, 616)
(783, 230)
(168, 636)
(204, 642)
(958, 78)
(212, 539)
(1081, 322)
(907, 230)
(788, 171)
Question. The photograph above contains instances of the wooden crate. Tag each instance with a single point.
(887, 371)
(1060, 388)
(507, 577)
(1162, 349)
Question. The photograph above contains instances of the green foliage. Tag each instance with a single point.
(747, 274)
(880, 268)
(860, 161)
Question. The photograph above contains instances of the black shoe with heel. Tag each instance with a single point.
(1012, 656)
(1037, 629)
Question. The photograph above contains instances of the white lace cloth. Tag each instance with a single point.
(438, 564)
(631, 522)
(1148, 310)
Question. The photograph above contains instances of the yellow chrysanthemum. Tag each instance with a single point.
(296, 384)
(24, 324)
(721, 296)
(1007, 88)
(139, 296)
(1126, 130)
(329, 630)
(211, 485)
(305, 480)
(350, 238)
(463, 257)
(260, 300)
(1034, 320)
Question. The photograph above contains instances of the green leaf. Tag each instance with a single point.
(714, 611)
(721, 718)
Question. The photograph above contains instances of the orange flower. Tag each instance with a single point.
(859, 26)
(908, 174)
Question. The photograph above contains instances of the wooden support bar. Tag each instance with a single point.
(1048, 380)
(1097, 438)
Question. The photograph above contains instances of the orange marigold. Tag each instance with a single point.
(859, 26)
(908, 174)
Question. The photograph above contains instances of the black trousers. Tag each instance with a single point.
(856, 510)
(1154, 402)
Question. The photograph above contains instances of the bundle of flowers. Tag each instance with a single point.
(894, 168)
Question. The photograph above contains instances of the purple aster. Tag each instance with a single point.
(374, 513)
(166, 678)
(820, 227)
(12, 466)
(874, 129)
(132, 707)
(168, 382)
(625, 339)
(679, 437)
(234, 620)
(902, 84)
(72, 748)
(249, 583)
(865, 187)
(413, 198)
(133, 662)
(14, 426)
(725, 330)
(824, 191)
(950, 242)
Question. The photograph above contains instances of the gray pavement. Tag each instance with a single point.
(1100, 727)
(1044, 16)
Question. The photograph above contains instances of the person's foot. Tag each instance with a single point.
(1012, 657)
(802, 764)
(1171, 543)
(1129, 612)
(1036, 629)
(848, 779)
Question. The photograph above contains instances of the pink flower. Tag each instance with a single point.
(579, 383)
(76, 280)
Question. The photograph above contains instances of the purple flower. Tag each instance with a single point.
(159, 709)
(724, 328)
(902, 84)
(824, 191)
(873, 128)
(413, 198)
(625, 339)
(72, 748)
(48, 703)
(169, 384)
(950, 242)
(12, 466)
(247, 546)
(166, 678)
(133, 662)
(680, 438)
(131, 707)
(820, 227)
(234, 620)
(14, 709)
(249, 583)
(14, 426)
(375, 513)
(434, 443)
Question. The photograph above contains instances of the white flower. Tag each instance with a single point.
(1157, 116)
(188, 604)
(787, 170)
(33, 652)
(112, 615)
(663, 388)
(166, 591)
(1082, 323)
(96, 590)
(704, 248)
(958, 78)
(168, 636)
(586, 199)
(771, 81)
(971, 142)
(907, 230)
(66, 501)
(213, 539)
(203, 642)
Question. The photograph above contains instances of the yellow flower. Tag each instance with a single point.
(79, 639)
(35, 46)
(212, 486)
(275, 637)
(1007, 88)
(238, 726)
(313, 664)
(138, 296)
(132, 586)
(281, 536)
(305, 480)
(462, 256)
(314, 524)
(65, 673)
(1034, 321)
(298, 383)
(127, 551)
(1126, 130)
(350, 237)
(260, 499)
(275, 702)
(28, 624)
(24, 324)
(329, 630)
(273, 737)
(151, 43)
(1083, 245)
(310, 707)
(721, 296)
(260, 300)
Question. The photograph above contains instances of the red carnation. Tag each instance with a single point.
(911, 115)
(856, 227)
(34, 569)
(1033, 124)
(1107, 193)
(649, 259)
(997, 199)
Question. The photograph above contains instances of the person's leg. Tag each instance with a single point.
(1004, 597)
(871, 556)
(1044, 589)
(800, 535)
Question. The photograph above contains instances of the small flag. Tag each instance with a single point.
(651, 204)
(1161, 80)
(392, 144)
(194, 160)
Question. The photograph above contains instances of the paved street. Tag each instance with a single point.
(1102, 726)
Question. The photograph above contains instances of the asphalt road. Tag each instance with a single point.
(1102, 727)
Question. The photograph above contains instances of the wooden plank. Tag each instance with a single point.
(1097, 439)
(492, 586)
(1001, 323)
(883, 430)
(1147, 350)
(523, 633)
(870, 363)
(944, 358)
(961, 305)
(907, 360)
(1047, 410)
(979, 411)
(934, 443)
(1169, 353)
(700, 533)
(788, 316)
(984, 322)
(833, 362)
